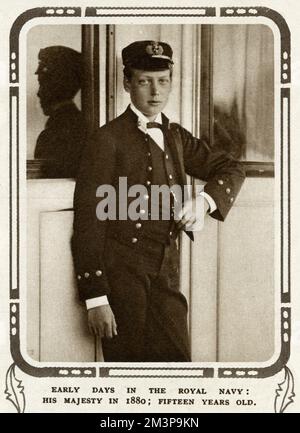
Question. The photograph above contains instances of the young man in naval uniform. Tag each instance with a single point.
(128, 270)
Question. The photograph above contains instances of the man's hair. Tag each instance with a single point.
(128, 70)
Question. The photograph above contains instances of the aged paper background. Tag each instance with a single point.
(30, 390)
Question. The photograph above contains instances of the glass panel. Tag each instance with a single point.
(243, 89)
(55, 125)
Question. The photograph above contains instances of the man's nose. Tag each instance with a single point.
(38, 70)
(154, 89)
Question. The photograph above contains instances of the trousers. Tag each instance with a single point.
(150, 311)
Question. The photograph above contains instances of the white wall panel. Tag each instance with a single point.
(56, 323)
(246, 276)
(64, 331)
(203, 293)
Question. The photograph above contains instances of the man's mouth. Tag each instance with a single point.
(154, 102)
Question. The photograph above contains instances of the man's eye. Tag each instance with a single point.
(143, 82)
(163, 81)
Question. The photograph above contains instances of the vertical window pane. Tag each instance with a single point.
(243, 89)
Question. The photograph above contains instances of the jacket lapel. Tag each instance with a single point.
(175, 144)
(174, 140)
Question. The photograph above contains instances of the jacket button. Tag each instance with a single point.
(99, 273)
(142, 211)
(228, 190)
(170, 176)
(134, 240)
(86, 275)
(148, 153)
(78, 277)
(220, 181)
(148, 182)
(146, 196)
(231, 200)
(149, 168)
(167, 156)
(138, 225)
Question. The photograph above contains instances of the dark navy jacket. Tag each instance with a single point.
(118, 150)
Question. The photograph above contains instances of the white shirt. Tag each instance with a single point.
(157, 135)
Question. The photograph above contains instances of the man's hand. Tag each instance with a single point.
(101, 321)
(192, 214)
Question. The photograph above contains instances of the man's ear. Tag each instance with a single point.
(126, 84)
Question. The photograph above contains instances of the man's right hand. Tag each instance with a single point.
(101, 321)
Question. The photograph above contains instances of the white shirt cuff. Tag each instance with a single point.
(210, 200)
(96, 302)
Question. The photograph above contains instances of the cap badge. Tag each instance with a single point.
(154, 49)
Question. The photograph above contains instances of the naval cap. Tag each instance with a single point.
(149, 55)
(60, 68)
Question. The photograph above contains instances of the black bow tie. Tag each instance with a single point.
(155, 125)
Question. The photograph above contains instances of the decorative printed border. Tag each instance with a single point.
(144, 12)
(285, 34)
(14, 204)
(19, 23)
(14, 390)
(39, 371)
(272, 369)
(285, 392)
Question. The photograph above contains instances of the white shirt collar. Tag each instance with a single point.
(143, 120)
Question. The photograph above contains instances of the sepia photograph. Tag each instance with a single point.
(142, 286)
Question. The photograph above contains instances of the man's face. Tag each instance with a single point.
(49, 92)
(149, 90)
